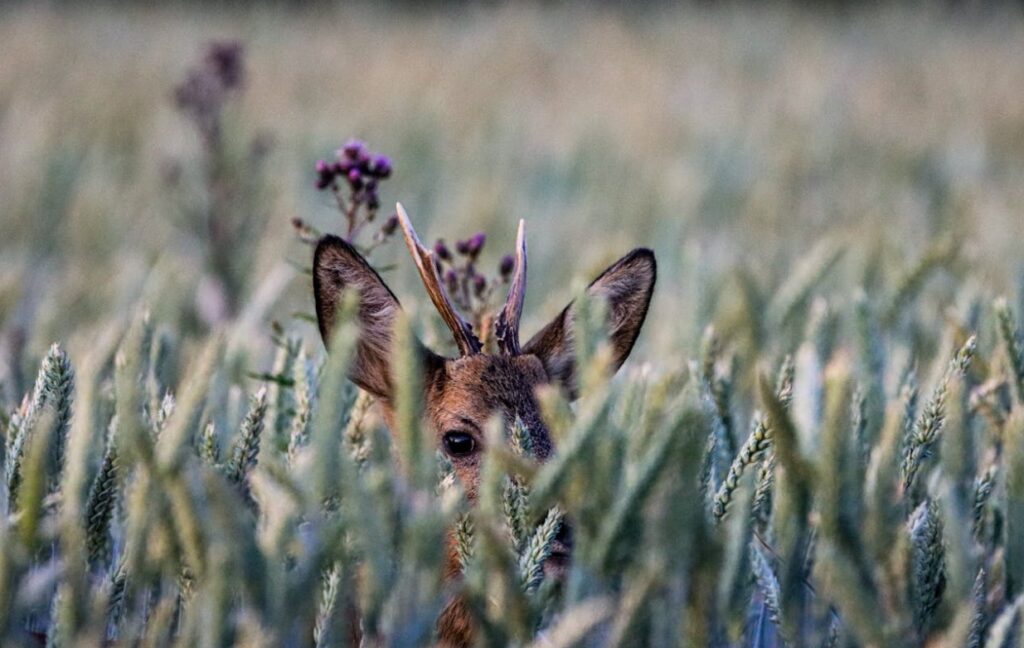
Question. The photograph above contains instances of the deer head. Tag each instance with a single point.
(462, 394)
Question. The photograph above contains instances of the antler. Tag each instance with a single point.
(506, 327)
(467, 341)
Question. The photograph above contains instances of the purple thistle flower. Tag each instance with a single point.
(362, 171)
(462, 247)
(506, 267)
(442, 251)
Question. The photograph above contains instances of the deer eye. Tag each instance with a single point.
(459, 444)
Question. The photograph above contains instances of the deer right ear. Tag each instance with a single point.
(627, 286)
(338, 268)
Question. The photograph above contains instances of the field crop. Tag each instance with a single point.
(819, 439)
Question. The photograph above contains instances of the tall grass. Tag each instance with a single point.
(124, 522)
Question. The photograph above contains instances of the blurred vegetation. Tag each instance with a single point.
(845, 193)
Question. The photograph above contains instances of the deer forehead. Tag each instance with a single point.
(476, 386)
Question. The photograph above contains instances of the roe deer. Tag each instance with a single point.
(461, 394)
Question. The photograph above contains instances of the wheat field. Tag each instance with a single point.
(815, 441)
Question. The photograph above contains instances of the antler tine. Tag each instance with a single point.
(506, 328)
(467, 341)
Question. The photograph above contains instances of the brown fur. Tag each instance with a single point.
(463, 394)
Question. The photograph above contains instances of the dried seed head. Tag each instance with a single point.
(226, 60)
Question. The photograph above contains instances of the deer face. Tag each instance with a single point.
(462, 394)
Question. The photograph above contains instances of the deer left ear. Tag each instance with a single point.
(627, 286)
(337, 268)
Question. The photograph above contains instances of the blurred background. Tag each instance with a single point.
(738, 141)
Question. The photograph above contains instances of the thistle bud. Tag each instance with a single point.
(325, 174)
(462, 247)
(506, 267)
(475, 244)
(451, 281)
(355, 179)
(390, 225)
(442, 251)
(353, 149)
(380, 166)
(372, 200)
(479, 285)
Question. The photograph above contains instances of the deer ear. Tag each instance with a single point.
(337, 268)
(627, 285)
